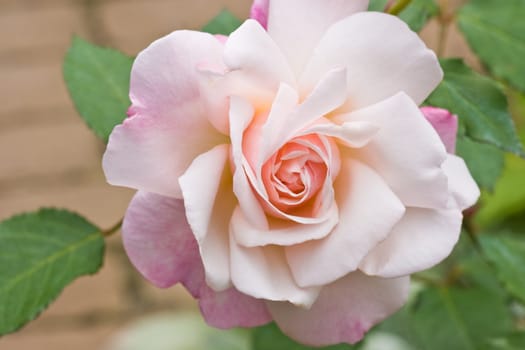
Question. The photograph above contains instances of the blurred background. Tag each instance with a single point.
(48, 157)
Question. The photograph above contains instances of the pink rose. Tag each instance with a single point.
(288, 174)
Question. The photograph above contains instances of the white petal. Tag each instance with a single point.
(209, 202)
(367, 212)
(172, 115)
(461, 184)
(297, 25)
(354, 134)
(328, 95)
(241, 114)
(282, 233)
(262, 272)
(407, 152)
(251, 50)
(382, 57)
(422, 239)
(284, 104)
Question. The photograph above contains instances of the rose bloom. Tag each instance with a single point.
(286, 172)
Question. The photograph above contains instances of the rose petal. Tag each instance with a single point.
(209, 203)
(222, 38)
(446, 125)
(363, 197)
(319, 211)
(241, 114)
(355, 134)
(406, 151)
(170, 111)
(263, 139)
(390, 58)
(255, 61)
(280, 233)
(247, 186)
(251, 50)
(159, 241)
(310, 18)
(262, 272)
(460, 182)
(328, 95)
(422, 239)
(344, 311)
(231, 308)
(259, 12)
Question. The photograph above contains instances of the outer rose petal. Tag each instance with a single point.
(362, 197)
(390, 58)
(170, 111)
(422, 239)
(344, 311)
(231, 308)
(310, 18)
(209, 203)
(167, 82)
(262, 272)
(160, 244)
(446, 125)
(159, 241)
(462, 186)
(406, 151)
(259, 12)
(251, 50)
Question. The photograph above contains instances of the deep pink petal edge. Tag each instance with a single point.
(446, 125)
(259, 12)
(160, 244)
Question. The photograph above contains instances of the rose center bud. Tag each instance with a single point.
(296, 175)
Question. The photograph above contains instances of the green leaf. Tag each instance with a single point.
(485, 162)
(452, 318)
(377, 5)
(40, 253)
(496, 32)
(481, 106)
(507, 254)
(270, 337)
(98, 82)
(459, 318)
(517, 108)
(508, 198)
(460, 287)
(224, 23)
(416, 15)
(474, 270)
(514, 341)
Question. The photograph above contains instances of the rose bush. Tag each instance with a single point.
(287, 173)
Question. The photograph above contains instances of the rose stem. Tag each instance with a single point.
(113, 229)
(397, 7)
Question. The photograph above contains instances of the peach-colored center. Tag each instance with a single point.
(296, 173)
